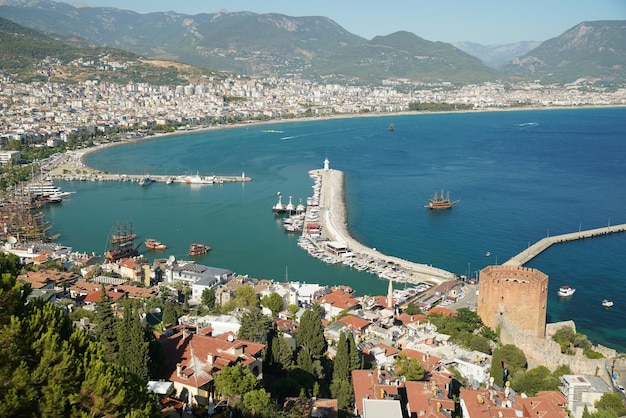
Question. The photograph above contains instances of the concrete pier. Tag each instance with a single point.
(543, 244)
(333, 219)
(99, 176)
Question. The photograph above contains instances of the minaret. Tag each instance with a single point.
(326, 164)
(390, 295)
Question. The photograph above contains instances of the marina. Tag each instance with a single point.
(326, 237)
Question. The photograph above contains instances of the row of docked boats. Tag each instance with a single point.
(567, 291)
(195, 179)
(290, 209)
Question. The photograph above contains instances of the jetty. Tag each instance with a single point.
(545, 243)
(334, 231)
(161, 178)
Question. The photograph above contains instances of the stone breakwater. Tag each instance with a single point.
(332, 219)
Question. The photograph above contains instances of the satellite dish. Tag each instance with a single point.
(12, 240)
(171, 259)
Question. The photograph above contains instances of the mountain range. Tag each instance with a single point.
(316, 47)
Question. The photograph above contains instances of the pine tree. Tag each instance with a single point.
(254, 326)
(56, 370)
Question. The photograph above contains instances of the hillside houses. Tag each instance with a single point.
(192, 359)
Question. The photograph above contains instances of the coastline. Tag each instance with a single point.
(334, 228)
(78, 164)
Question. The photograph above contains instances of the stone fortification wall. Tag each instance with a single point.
(546, 352)
(520, 293)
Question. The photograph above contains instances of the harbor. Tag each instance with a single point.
(144, 179)
(69, 166)
(545, 243)
(325, 235)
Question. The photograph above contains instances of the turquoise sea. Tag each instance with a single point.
(519, 175)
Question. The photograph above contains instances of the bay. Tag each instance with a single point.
(519, 175)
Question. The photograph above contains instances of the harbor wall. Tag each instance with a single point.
(546, 352)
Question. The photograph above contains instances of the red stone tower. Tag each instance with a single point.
(520, 293)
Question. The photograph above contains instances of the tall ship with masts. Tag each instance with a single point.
(121, 243)
(441, 201)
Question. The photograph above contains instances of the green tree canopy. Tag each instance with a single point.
(134, 350)
(611, 402)
(281, 356)
(208, 298)
(274, 302)
(569, 339)
(258, 402)
(50, 368)
(245, 296)
(534, 380)
(169, 314)
(412, 369)
(235, 381)
(310, 335)
(254, 326)
(512, 356)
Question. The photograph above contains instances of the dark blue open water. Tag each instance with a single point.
(520, 175)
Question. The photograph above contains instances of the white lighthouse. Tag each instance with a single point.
(326, 164)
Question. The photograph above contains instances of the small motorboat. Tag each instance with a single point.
(565, 291)
(607, 303)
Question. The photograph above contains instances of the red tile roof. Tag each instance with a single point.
(426, 399)
(481, 404)
(405, 318)
(355, 322)
(339, 299)
(199, 356)
(442, 311)
(95, 296)
(366, 385)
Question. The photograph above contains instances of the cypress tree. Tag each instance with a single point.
(305, 362)
(169, 314)
(341, 366)
(106, 325)
(353, 355)
(133, 349)
(310, 335)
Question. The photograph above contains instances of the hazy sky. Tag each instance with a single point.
(485, 22)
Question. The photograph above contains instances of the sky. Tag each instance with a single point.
(486, 22)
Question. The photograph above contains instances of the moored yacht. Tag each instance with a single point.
(607, 303)
(279, 207)
(290, 208)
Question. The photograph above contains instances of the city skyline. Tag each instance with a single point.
(487, 22)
